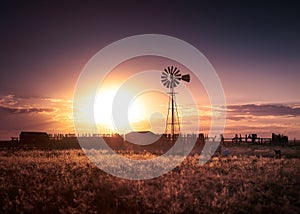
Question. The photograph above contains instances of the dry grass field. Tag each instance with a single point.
(248, 180)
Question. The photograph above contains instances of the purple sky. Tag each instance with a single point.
(254, 47)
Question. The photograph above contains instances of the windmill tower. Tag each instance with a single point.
(170, 78)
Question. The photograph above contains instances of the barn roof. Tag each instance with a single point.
(33, 133)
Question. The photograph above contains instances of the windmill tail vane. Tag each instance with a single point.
(186, 78)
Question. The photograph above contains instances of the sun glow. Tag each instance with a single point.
(103, 111)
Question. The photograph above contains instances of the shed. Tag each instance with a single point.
(34, 137)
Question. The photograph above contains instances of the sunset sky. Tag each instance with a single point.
(253, 46)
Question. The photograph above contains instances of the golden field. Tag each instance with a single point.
(248, 180)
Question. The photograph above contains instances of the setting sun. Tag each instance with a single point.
(144, 113)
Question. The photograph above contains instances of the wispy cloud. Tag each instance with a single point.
(264, 110)
(20, 110)
(8, 100)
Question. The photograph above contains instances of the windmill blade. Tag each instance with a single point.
(178, 76)
(176, 82)
(169, 70)
(168, 84)
(164, 78)
(164, 81)
(171, 85)
(172, 69)
(163, 75)
(175, 70)
(177, 73)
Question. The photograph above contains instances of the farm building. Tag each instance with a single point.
(34, 137)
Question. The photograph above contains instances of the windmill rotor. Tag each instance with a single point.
(171, 77)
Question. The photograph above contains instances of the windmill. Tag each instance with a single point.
(170, 78)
